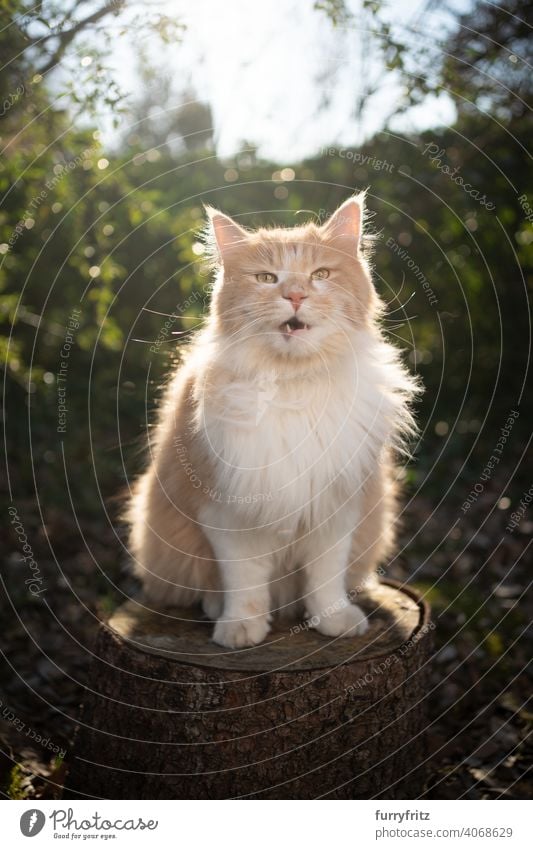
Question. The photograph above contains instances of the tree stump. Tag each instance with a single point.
(168, 714)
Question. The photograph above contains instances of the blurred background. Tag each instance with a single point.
(118, 121)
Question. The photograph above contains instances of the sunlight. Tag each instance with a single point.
(277, 74)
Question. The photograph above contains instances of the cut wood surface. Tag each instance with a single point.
(168, 714)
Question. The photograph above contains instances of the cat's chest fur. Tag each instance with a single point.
(296, 448)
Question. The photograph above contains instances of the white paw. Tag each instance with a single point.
(349, 621)
(237, 633)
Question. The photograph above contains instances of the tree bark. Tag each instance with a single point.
(167, 714)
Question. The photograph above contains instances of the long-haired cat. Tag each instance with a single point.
(270, 490)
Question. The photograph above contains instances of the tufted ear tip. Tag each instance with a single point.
(226, 231)
(347, 221)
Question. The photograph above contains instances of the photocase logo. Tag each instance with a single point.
(32, 822)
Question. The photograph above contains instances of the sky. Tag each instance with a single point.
(278, 74)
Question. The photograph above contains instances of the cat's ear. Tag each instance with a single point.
(225, 232)
(347, 221)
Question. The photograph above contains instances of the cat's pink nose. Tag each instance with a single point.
(296, 299)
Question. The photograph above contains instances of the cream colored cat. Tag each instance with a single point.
(270, 488)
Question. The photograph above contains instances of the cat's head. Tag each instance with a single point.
(292, 293)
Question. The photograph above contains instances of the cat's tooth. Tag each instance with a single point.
(288, 328)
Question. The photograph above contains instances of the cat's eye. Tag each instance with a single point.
(266, 277)
(320, 273)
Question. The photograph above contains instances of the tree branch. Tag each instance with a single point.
(65, 38)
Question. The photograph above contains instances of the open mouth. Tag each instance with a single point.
(293, 327)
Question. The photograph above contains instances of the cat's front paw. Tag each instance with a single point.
(349, 621)
(238, 633)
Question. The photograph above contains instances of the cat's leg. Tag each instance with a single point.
(170, 554)
(245, 566)
(373, 542)
(212, 603)
(245, 619)
(328, 607)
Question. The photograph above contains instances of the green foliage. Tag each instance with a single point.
(488, 59)
(336, 10)
(15, 787)
(114, 235)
